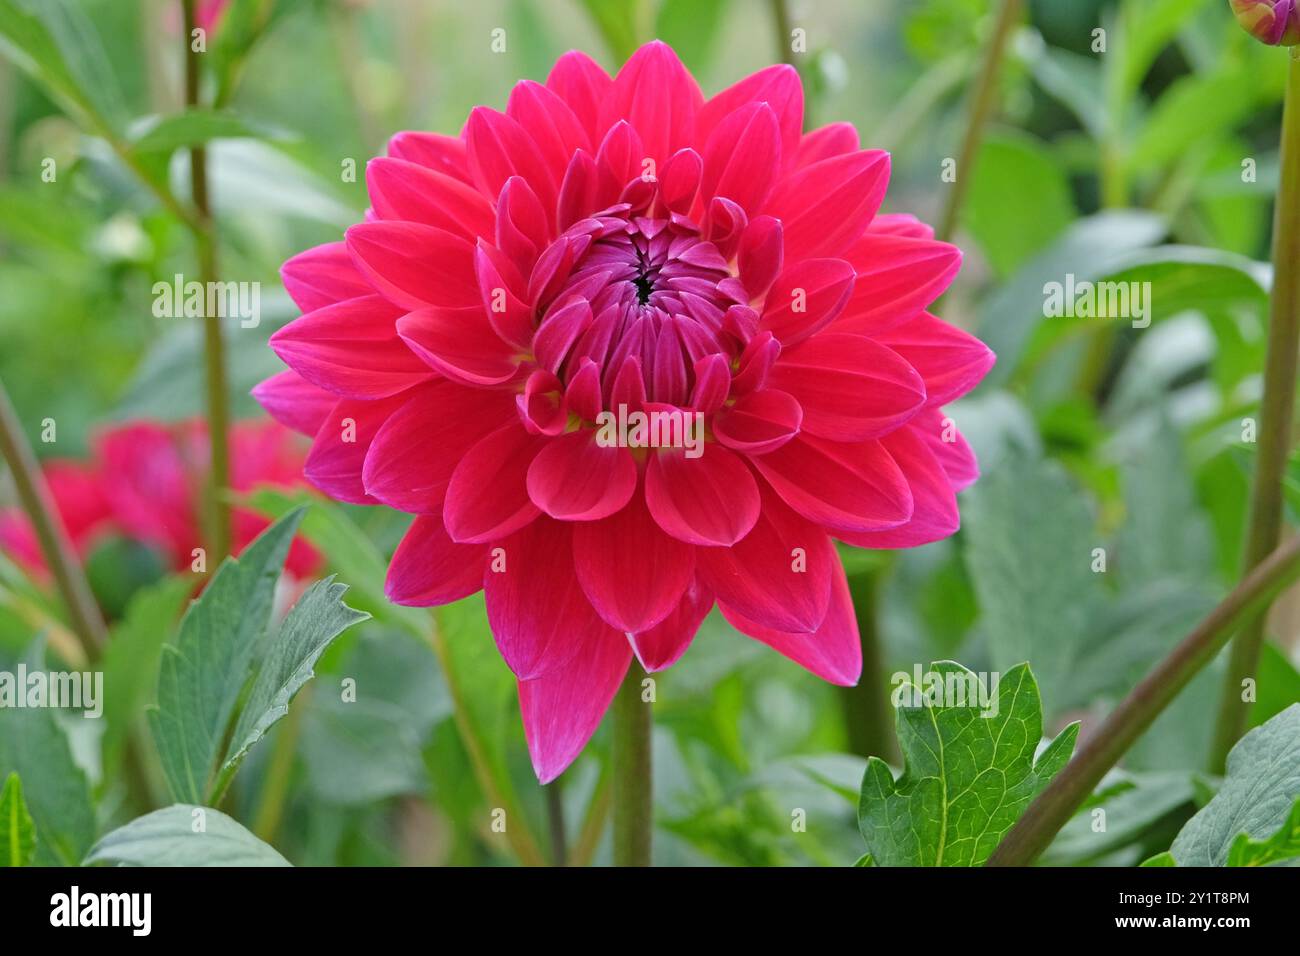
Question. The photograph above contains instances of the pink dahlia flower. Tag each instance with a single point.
(145, 483)
(612, 246)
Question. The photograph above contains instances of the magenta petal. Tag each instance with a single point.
(578, 80)
(401, 190)
(413, 265)
(633, 574)
(294, 402)
(487, 497)
(951, 361)
(709, 500)
(662, 645)
(779, 574)
(806, 297)
(562, 709)
(498, 148)
(441, 153)
(411, 460)
(759, 422)
(898, 277)
(778, 87)
(826, 206)
(575, 478)
(934, 508)
(430, 569)
(742, 158)
(322, 276)
(539, 615)
(664, 120)
(850, 387)
(854, 487)
(954, 453)
(833, 652)
(338, 453)
(834, 139)
(351, 348)
(459, 343)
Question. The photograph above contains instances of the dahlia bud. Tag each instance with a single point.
(1275, 22)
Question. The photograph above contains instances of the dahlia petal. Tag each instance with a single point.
(679, 181)
(834, 139)
(583, 393)
(402, 190)
(522, 231)
(760, 255)
(498, 148)
(576, 478)
(849, 386)
(578, 80)
(487, 497)
(952, 450)
(712, 383)
(778, 86)
(429, 569)
(578, 190)
(558, 333)
(562, 709)
(322, 276)
(459, 343)
(411, 459)
(805, 298)
(413, 265)
(779, 574)
(897, 277)
(294, 402)
(934, 510)
(541, 404)
(551, 122)
(900, 224)
(951, 361)
(351, 348)
(664, 120)
(827, 205)
(618, 161)
(833, 652)
(709, 500)
(755, 363)
(742, 157)
(500, 286)
(442, 154)
(856, 487)
(539, 615)
(633, 574)
(338, 453)
(759, 422)
(662, 646)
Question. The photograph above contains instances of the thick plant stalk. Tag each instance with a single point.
(83, 612)
(214, 348)
(981, 106)
(868, 716)
(1102, 750)
(633, 789)
(1277, 414)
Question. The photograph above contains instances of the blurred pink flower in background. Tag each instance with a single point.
(208, 12)
(625, 242)
(144, 483)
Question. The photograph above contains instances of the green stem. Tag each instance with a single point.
(279, 772)
(1102, 750)
(781, 17)
(981, 106)
(1277, 414)
(62, 561)
(632, 786)
(555, 821)
(214, 347)
(868, 716)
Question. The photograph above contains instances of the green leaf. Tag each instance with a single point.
(55, 43)
(35, 746)
(616, 20)
(1075, 80)
(194, 127)
(1132, 803)
(1257, 799)
(131, 657)
(1193, 110)
(1090, 248)
(1019, 200)
(967, 777)
(318, 617)
(17, 829)
(690, 27)
(203, 673)
(242, 25)
(1161, 859)
(1033, 577)
(1277, 684)
(1281, 846)
(184, 835)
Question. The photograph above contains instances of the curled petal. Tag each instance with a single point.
(778, 87)
(805, 298)
(429, 569)
(709, 500)
(742, 158)
(576, 478)
(487, 496)
(664, 118)
(759, 422)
